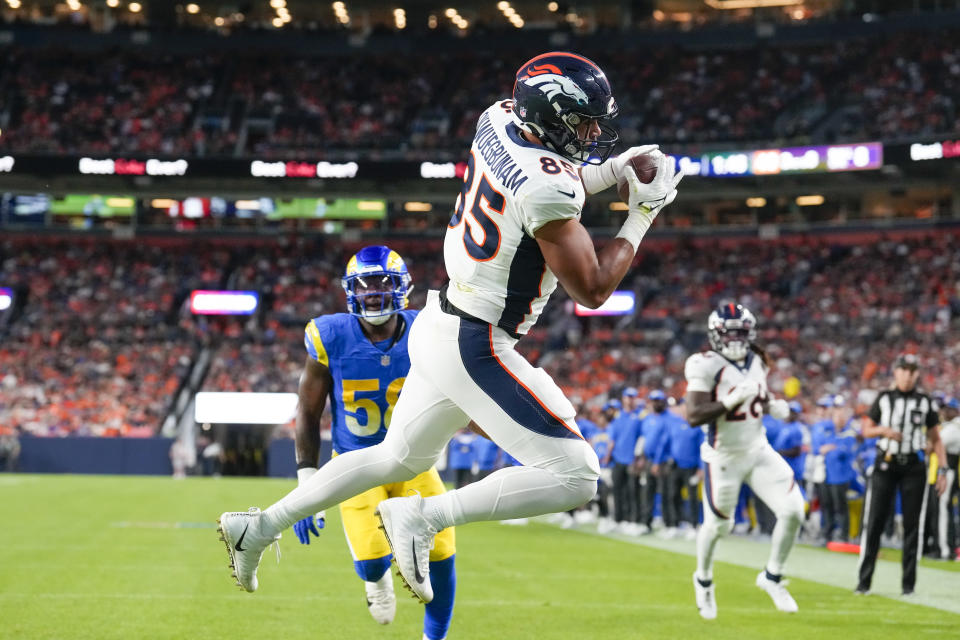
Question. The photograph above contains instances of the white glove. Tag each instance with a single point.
(596, 178)
(746, 391)
(646, 200)
(779, 409)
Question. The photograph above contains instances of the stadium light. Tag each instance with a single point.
(277, 4)
(135, 7)
(450, 13)
(503, 5)
(810, 201)
(14, 4)
(191, 8)
(73, 5)
(400, 18)
(277, 22)
(552, 6)
(417, 206)
(756, 203)
(432, 22)
(219, 21)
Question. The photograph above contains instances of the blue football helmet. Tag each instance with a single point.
(377, 284)
(731, 329)
(557, 91)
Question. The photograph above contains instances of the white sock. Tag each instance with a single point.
(784, 535)
(513, 492)
(706, 543)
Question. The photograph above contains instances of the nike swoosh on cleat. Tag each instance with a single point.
(569, 195)
(416, 569)
(240, 541)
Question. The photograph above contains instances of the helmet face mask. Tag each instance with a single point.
(554, 94)
(377, 284)
(731, 329)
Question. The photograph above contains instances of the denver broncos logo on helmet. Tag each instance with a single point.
(540, 69)
(553, 85)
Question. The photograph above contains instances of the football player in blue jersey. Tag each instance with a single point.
(359, 360)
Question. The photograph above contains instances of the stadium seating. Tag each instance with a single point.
(104, 320)
(415, 106)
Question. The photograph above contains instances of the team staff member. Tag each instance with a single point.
(902, 418)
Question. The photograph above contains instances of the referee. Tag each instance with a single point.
(903, 419)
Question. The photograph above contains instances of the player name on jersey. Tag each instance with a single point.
(497, 156)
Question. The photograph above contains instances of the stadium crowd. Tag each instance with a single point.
(275, 106)
(833, 315)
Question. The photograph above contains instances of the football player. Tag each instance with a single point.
(727, 394)
(514, 234)
(359, 360)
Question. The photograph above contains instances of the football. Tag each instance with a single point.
(645, 166)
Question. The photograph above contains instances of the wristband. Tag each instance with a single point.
(942, 471)
(635, 227)
(596, 178)
(304, 473)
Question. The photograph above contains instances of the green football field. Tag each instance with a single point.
(124, 557)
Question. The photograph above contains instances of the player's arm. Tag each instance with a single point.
(702, 408)
(589, 277)
(935, 442)
(316, 382)
(315, 386)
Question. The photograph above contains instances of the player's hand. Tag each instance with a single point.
(893, 434)
(619, 163)
(779, 409)
(310, 524)
(649, 199)
(743, 392)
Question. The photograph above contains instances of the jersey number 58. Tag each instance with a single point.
(367, 409)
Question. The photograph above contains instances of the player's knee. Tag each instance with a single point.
(717, 527)
(582, 474)
(793, 510)
(373, 569)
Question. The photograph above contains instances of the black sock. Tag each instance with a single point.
(704, 583)
(772, 576)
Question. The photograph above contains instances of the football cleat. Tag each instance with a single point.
(240, 531)
(381, 601)
(410, 537)
(706, 599)
(777, 591)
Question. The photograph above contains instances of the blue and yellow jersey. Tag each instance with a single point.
(367, 377)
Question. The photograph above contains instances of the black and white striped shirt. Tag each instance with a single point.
(911, 413)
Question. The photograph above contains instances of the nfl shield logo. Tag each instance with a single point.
(385, 360)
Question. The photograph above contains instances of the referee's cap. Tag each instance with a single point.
(906, 361)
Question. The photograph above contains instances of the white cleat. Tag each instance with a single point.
(410, 537)
(381, 601)
(706, 599)
(240, 531)
(777, 591)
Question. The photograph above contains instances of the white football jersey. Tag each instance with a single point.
(511, 188)
(710, 372)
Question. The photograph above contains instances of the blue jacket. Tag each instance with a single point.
(462, 451)
(773, 427)
(791, 437)
(587, 428)
(683, 443)
(839, 461)
(485, 452)
(601, 442)
(625, 431)
(656, 433)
